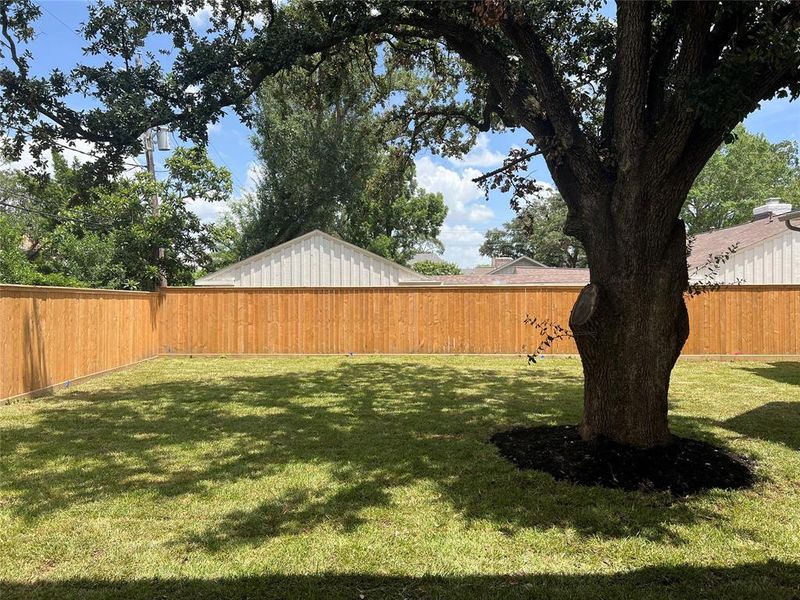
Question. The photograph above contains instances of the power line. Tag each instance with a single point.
(43, 213)
(242, 188)
(237, 182)
(136, 164)
(94, 156)
(57, 18)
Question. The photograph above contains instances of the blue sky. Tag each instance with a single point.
(470, 215)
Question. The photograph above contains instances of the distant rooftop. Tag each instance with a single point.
(425, 257)
(541, 276)
(715, 243)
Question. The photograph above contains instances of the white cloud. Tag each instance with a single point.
(465, 200)
(199, 18)
(259, 20)
(208, 212)
(254, 174)
(461, 243)
(77, 150)
(480, 213)
(480, 155)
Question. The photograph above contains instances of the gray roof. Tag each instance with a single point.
(549, 275)
(425, 256)
(501, 265)
(715, 243)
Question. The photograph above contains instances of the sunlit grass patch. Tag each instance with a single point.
(349, 476)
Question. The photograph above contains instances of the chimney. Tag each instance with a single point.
(772, 208)
(499, 261)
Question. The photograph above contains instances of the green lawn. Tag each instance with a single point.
(371, 477)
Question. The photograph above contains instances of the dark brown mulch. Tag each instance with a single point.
(683, 468)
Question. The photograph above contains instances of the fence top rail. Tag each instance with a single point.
(449, 288)
(13, 287)
(365, 288)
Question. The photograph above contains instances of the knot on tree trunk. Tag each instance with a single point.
(585, 306)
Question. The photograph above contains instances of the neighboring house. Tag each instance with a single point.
(315, 259)
(789, 217)
(516, 271)
(768, 252)
(540, 276)
(505, 265)
(425, 257)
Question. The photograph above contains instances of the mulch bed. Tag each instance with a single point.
(683, 468)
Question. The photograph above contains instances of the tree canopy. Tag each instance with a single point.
(538, 232)
(57, 231)
(328, 160)
(435, 267)
(741, 175)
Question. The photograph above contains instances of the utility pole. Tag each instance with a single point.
(163, 144)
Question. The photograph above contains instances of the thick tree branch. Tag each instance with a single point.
(663, 55)
(673, 130)
(633, 58)
(508, 165)
(733, 17)
(553, 99)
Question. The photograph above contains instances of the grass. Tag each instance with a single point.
(370, 477)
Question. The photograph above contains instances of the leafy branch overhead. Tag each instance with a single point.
(525, 64)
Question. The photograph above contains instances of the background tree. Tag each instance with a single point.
(14, 264)
(102, 236)
(433, 267)
(327, 163)
(741, 175)
(393, 217)
(538, 232)
(625, 114)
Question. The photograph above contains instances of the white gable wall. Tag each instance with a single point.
(775, 260)
(316, 260)
(518, 265)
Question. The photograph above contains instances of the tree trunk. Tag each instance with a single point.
(630, 325)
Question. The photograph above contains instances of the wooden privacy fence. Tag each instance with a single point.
(391, 320)
(54, 335)
(753, 320)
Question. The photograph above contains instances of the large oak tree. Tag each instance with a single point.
(625, 112)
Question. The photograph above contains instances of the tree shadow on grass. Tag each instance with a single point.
(787, 372)
(773, 422)
(373, 426)
(774, 580)
(777, 421)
